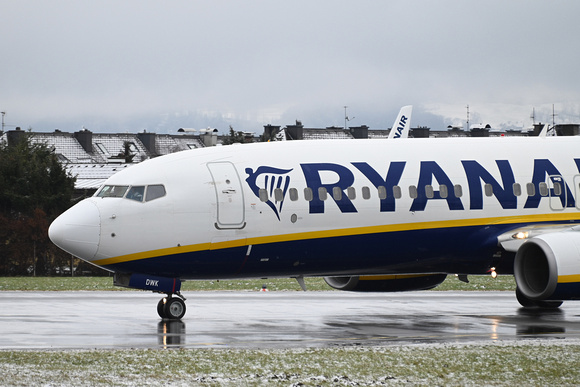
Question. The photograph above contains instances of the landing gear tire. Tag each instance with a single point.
(172, 308)
(529, 303)
(550, 304)
(161, 307)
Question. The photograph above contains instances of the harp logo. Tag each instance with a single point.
(274, 182)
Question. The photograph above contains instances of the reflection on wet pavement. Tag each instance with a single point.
(32, 320)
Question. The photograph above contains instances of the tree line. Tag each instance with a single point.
(34, 189)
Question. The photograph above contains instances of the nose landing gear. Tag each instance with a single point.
(171, 308)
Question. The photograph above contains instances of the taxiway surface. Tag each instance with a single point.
(87, 320)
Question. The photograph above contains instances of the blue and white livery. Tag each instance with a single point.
(402, 124)
(368, 215)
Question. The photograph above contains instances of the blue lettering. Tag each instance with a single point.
(430, 170)
(392, 179)
(401, 126)
(314, 181)
(476, 174)
(543, 167)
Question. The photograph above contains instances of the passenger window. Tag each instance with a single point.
(517, 189)
(278, 194)
(543, 189)
(154, 192)
(293, 194)
(322, 193)
(308, 195)
(263, 194)
(113, 191)
(488, 188)
(457, 190)
(443, 191)
(337, 193)
(557, 189)
(136, 193)
(366, 193)
(382, 192)
(397, 192)
(429, 191)
(351, 193)
(531, 189)
(413, 192)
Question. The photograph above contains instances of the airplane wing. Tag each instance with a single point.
(402, 123)
(514, 239)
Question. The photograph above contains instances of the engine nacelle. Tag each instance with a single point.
(386, 283)
(547, 267)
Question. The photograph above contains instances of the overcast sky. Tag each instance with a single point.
(134, 64)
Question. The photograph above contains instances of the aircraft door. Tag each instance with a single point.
(577, 190)
(229, 195)
(557, 192)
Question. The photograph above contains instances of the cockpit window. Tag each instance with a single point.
(154, 192)
(113, 191)
(136, 193)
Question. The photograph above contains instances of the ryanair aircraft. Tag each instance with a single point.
(367, 215)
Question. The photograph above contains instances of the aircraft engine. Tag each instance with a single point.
(547, 267)
(386, 283)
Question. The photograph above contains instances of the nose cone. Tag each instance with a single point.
(78, 230)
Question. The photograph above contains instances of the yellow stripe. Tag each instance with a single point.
(390, 277)
(562, 279)
(152, 253)
(552, 217)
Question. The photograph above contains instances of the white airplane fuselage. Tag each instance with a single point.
(392, 207)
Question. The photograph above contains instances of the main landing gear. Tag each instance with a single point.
(529, 303)
(171, 307)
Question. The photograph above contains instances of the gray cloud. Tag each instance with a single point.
(116, 63)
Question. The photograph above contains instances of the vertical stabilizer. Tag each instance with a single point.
(402, 124)
(547, 131)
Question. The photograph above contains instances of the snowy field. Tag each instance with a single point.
(527, 362)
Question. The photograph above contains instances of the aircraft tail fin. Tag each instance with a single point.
(402, 124)
(547, 131)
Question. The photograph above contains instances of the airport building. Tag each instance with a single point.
(94, 157)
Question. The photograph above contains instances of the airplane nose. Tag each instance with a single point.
(78, 230)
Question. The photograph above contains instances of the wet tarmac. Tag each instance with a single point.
(87, 320)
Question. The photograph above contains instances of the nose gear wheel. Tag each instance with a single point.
(171, 308)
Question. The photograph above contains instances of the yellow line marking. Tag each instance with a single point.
(562, 279)
(390, 277)
(551, 217)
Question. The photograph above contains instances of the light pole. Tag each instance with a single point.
(3, 114)
(346, 117)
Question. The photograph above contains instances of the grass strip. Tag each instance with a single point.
(526, 363)
(278, 284)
